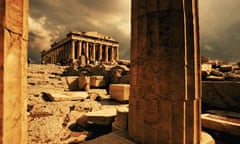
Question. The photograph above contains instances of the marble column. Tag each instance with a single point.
(100, 52)
(79, 48)
(87, 52)
(112, 57)
(54, 56)
(94, 52)
(13, 71)
(72, 50)
(117, 54)
(165, 101)
(106, 53)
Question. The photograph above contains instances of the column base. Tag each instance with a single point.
(122, 137)
(206, 138)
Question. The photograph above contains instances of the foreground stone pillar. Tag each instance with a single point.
(13, 71)
(164, 106)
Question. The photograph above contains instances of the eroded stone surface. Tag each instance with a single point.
(67, 121)
(221, 95)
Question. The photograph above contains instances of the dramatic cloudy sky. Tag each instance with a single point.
(50, 20)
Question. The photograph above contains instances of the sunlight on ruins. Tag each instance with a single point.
(83, 90)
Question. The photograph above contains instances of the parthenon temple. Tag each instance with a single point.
(90, 47)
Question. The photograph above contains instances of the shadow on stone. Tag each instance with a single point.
(94, 130)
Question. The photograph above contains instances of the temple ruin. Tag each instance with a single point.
(87, 47)
(164, 106)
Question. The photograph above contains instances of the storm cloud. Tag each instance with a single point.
(220, 29)
(51, 20)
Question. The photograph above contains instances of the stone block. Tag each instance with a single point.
(206, 67)
(84, 83)
(65, 96)
(102, 117)
(98, 93)
(97, 81)
(72, 82)
(120, 92)
(226, 68)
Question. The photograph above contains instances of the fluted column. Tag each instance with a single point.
(100, 52)
(87, 52)
(54, 56)
(106, 53)
(165, 100)
(13, 71)
(79, 48)
(112, 54)
(72, 49)
(117, 53)
(94, 52)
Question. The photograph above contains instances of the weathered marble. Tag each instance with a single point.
(13, 65)
(165, 101)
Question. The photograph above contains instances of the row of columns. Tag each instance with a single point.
(74, 49)
(105, 53)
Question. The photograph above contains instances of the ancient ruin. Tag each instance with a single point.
(82, 47)
(165, 94)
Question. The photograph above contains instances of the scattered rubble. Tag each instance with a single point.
(220, 71)
(69, 104)
(61, 110)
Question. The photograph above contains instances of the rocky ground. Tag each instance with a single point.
(64, 121)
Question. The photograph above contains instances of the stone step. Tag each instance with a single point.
(221, 124)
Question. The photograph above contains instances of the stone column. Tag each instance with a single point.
(87, 52)
(94, 52)
(72, 49)
(116, 53)
(106, 53)
(13, 71)
(55, 56)
(165, 102)
(100, 52)
(79, 48)
(112, 57)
